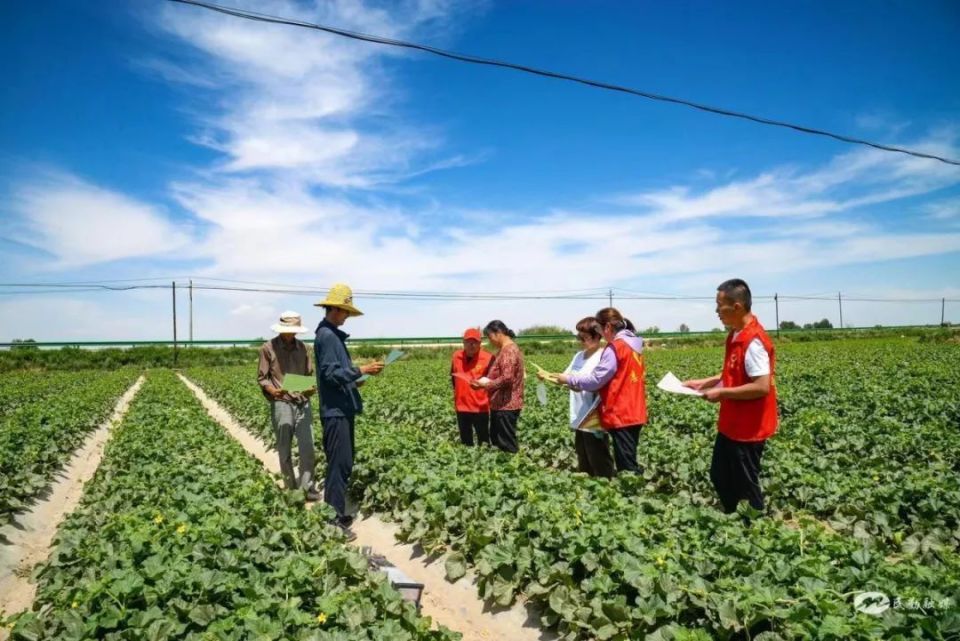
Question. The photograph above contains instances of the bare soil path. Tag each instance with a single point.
(457, 606)
(30, 536)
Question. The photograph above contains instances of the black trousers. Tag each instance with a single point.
(470, 422)
(338, 444)
(735, 472)
(503, 429)
(625, 441)
(593, 454)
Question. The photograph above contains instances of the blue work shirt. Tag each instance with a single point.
(336, 374)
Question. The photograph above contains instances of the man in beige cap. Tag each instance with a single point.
(337, 380)
(289, 411)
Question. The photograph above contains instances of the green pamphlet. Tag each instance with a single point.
(298, 383)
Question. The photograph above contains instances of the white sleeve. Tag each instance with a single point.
(757, 361)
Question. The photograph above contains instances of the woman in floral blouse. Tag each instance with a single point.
(504, 385)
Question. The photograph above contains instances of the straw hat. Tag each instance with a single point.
(341, 297)
(290, 323)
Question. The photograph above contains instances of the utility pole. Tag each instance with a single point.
(610, 297)
(840, 303)
(173, 290)
(776, 306)
(943, 306)
(191, 312)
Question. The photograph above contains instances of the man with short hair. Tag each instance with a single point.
(747, 395)
(290, 412)
(338, 381)
(471, 405)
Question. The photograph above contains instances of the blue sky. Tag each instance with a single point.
(152, 140)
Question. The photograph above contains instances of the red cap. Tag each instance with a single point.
(472, 334)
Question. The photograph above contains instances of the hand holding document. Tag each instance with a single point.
(297, 383)
(392, 357)
(545, 375)
(672, 384)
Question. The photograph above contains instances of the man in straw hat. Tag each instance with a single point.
(289, 411)
(337, 380)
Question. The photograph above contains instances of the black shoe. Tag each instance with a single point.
(348, 534)
(313, 496)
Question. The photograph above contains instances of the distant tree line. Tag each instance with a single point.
(820, 324)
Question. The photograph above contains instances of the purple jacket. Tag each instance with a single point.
(605, 370)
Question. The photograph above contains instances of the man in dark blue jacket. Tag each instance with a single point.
(337, 382)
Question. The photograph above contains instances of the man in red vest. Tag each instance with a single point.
(747, 397)
(472, 405)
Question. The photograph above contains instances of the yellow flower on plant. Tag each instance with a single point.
(74, 605)
(322, 618)
(181, 529)
(158, 519)
(660, 561)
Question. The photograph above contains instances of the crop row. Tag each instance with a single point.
(606, 565)
(868, 437)
(25, 388)
(181, 535)
(40, 434)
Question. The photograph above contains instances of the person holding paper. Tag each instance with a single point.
(619, 379)
(593, 448)
(504, 385)
(340, 400)
(471, 405)
(290, 412)
(748, 399)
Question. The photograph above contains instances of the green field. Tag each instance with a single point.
(181, 535)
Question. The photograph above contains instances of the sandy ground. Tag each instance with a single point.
(30, 536)
(454, 605)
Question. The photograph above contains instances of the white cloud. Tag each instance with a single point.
(944, 209)
(82, 224)
(298, 100)
(849, 181)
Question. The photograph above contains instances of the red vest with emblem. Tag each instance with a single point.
(623, 401)
(755, 420)
(465, 398)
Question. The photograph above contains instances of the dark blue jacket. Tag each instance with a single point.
(336, 375)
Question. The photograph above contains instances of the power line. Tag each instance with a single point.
(317, 288)
(587, 294)
(261, 17)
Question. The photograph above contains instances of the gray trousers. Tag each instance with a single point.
(289, 420)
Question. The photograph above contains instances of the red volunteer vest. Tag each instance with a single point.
(748, 421)
(465, 398)
(623, 401)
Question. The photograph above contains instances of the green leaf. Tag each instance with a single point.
(456, 566)
(203, 615)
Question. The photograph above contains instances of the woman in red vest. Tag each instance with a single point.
(619, 379)
(747, 397)
(472, 405)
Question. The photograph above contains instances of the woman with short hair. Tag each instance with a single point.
(619, 379)
(593, 447)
